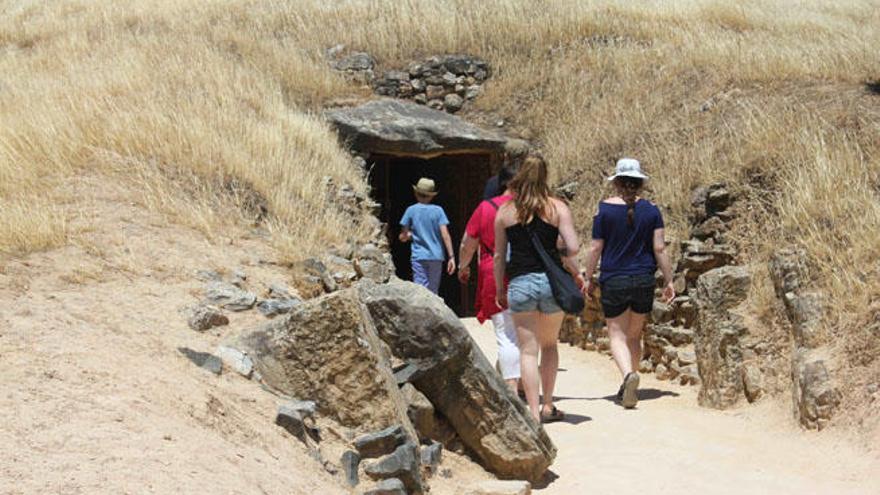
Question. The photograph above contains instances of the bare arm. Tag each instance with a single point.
(596, 246)
(405, 234)
(500, 261)
(447, 241)
(569, 238)
(662, 258)
(466, 252)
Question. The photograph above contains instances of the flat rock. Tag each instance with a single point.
(274, 307)
(500, 487)
(458, 380)
(297, 418)
(327, 349)
(228, 296)
(357, 61)
(394, 126)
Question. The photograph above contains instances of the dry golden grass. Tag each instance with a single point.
(179, 98)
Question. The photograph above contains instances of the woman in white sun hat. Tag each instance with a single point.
(628, 235)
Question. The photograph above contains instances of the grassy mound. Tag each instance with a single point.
(205, 106)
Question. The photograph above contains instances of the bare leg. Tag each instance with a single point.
(526, 325)
(634, 338)
(617, 334)
(548, 338)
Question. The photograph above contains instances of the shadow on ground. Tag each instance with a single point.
(644, 394)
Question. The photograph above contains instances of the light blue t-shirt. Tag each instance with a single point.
(424, 221)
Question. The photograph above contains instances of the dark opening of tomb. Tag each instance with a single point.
(460, 180)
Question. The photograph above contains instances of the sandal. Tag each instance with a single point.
(554, 416)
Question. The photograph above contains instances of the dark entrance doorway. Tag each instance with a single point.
(460, 179)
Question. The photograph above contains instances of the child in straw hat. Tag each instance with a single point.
(425, 225)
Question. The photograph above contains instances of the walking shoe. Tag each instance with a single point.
(630, 390)
(619, 395)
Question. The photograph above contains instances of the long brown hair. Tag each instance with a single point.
(628, 188)
(530, 188)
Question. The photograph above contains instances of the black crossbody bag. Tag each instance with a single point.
(565, 290)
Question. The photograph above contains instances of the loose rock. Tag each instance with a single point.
(228, 296)
(401, 464)
(350, 461)
(205, 317)
(391, 486)
(381, 442)
(431, 456)
(297, 418)
(274, 307)
(420, 411)
(237, 360)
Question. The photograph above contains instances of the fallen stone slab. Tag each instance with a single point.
(381, 442)
(500, 487)
(327, 349)
(236, 360)
(204, 317)
(228, 296)
(391, 486)
(204, 360)
(458, 380)
(402, 464)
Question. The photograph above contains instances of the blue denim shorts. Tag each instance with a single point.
(531, 292)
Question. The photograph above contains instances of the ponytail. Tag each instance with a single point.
(628, 188)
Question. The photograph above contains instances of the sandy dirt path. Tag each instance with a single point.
(671, 445)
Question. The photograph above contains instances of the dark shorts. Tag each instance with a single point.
(624, 292)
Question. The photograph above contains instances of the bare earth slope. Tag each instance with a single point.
(670, 445)
(95, 397)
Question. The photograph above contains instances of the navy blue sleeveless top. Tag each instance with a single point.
(628, 250)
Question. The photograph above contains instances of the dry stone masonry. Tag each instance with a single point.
(444, 82)
(815, 396)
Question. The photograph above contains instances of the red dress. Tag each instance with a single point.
(481, 226)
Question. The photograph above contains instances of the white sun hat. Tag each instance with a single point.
(628, 167)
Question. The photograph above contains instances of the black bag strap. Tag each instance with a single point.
(493, 204)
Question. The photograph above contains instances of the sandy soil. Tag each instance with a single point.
(671, 445)
(95, 396)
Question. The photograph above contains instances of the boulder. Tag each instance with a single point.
(723, 288)
(327, 350)
(499, 487)
(458, 380)
(453, 102)
(228, 296)
(402, 464)
(753, 382)
(396, 127)
(204, 317)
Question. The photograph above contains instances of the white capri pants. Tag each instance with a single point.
(508, 349)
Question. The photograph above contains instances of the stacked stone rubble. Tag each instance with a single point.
(441, 82)
(815, 396)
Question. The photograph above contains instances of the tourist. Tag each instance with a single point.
(536, 314)
(480, 234)
(628, 235)
(426, 225)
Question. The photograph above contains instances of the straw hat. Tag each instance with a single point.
(425, 186)
(628, 167)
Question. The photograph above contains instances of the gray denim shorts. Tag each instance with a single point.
(531, 292)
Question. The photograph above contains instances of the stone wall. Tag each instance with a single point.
(444, 82)
(814, 394)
